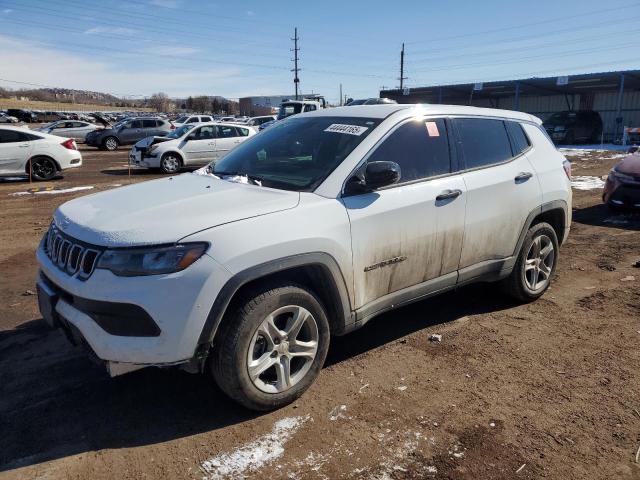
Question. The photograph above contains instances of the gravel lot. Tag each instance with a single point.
(550, 389)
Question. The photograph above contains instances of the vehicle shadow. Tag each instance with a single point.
(56, 403)
(602, 216)
(143, 171)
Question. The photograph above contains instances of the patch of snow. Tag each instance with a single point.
(12, 179)
(586, 183)
(54, 191)
(402, 388)
(253, 455)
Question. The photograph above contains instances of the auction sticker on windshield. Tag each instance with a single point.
(348, 129)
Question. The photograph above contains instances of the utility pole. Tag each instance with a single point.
(296, 80)
(341, 95)
(402, 77)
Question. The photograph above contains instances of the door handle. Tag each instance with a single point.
(447, 194)
(24, 145)
(522, 176)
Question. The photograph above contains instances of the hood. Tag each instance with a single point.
(102, 120)
(166, 210)
(148, 141)
(629, 165)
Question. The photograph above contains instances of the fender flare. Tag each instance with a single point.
(338, 290)
(553, 205)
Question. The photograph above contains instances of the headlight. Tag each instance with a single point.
(621, 176)
(132, 262)
(559, 128)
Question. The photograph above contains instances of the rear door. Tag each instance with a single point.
(15, 150)
(410, 233)
(502, 189)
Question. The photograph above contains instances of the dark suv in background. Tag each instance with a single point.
(22, 115)
(582, 126)
(128, 132)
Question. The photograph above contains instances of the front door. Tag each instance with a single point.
(200, 146)
(410, 233)
(227, 138)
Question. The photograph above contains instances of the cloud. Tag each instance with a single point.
(111, 30)
(7, 11)
(171, 50)
(165, 3)
(58, 68)
(250, 13)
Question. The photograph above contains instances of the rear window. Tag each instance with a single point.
(484, 141)
(519, 140)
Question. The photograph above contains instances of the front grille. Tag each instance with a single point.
(73, 257)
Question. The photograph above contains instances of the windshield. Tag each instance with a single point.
(49, 125)
(178, 132)
(288, 109)
(181, 119)
(120, 124)
(297, 154)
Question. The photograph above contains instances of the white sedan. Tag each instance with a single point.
(189, 145)
(69, 129)
(46, 155)
(4, 118)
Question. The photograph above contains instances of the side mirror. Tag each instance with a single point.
(374, 175)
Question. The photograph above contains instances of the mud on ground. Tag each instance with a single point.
(545, 390)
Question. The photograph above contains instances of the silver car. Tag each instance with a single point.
(69, 129)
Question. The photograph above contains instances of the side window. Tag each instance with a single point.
(159, 123)
(226, 132)
(484, 141)
(148, 124)
(309, 108)
(243, 132)
(136, 124)
(421, 148)
(519, 140)
(205, 133)
(10, 136)
(192, 120)
(206, 119)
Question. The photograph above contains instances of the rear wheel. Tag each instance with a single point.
(170, 163)
(536, 264)
(43, 168)
(272, 348)
(110, 143)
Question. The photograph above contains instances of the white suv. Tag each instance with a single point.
(305, 231)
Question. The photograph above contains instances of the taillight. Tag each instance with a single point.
(567, 168)
(173, 127)
(70, 144)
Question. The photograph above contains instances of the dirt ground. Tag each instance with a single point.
(545, 390)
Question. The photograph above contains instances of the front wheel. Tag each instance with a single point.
(170, 163)
(272, 348)
(535, 265)
(111, 143)
(43, 168)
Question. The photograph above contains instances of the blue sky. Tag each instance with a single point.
(242, 47)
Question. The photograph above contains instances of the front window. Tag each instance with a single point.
(288, 109)
(179, 132)
(182, 119)
(297, 154)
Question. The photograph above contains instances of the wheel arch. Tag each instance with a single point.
(555, 213)
(176, 152)
(317, 271)
(40, 155)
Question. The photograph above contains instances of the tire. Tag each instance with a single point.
(248, 342)
(43, 168)
(527, 272)
(170, 163)
(110, 143)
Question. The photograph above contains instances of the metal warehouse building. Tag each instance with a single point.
(615, 95)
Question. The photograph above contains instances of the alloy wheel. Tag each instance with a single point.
(170, 163)
(43, 168)
(539, 263)
(282, 349)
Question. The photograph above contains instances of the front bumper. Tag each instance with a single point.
(140, 157)
(176, 305)
(621, 193)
